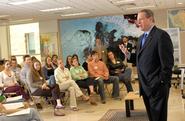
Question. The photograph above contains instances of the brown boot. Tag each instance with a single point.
(92, 100)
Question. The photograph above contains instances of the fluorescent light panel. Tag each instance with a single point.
(24, 2)
(179, 3)
(151, 6)
(122, 1)
(56, 9)
(22, 20)
(3, 16)
(76, 14)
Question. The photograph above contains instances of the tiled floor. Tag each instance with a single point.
(88, 112)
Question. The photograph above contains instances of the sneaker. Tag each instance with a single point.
(58, 113)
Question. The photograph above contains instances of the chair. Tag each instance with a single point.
(64, 96)
(177, 72)
(109, 91)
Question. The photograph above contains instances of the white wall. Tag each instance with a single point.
(48, 26)
(51, 26)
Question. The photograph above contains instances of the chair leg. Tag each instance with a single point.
(107, 88)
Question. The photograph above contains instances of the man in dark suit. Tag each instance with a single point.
(154, 63)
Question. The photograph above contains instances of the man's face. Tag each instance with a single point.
(95, 57)
(143, 22)
(28, 60)
(125, 40)
(13, 64)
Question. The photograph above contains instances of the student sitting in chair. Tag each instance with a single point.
(8, 81)
(65, 82)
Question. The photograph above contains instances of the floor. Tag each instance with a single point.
(88, 112)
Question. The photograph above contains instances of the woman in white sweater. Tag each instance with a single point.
(65, 82)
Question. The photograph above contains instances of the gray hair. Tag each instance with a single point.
(148, 13)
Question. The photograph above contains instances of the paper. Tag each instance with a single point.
(13, 105)
(21, 112)
(12, 99)
(97, 78)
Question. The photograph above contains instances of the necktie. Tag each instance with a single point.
(144, 39)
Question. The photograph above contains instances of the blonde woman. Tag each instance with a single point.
(65, 82)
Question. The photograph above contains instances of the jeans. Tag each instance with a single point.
(125, 77)
(112, 79)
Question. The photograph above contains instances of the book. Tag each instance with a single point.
(14, 99)
(13, 105)
(21, 112)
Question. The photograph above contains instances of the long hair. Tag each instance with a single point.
(113, 55)
(37, 74)
(47, 65)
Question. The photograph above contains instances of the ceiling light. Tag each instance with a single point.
(122, 1)
(24, 2)
(179, 3)
(75, 14)
(151, 6)
(3, 16)
(56, 9)
(22, 20)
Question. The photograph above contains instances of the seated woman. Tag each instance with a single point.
(31, 116)
(54, 61)
(65, 82)
(81, 77)
(117, 68)
(8, 81)
(68, 62)
(49, 71)
(39, 87)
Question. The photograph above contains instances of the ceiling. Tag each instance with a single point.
(31, 12)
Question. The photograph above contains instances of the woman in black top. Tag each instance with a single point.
(68, 62)
(48, 71)
(117, 68)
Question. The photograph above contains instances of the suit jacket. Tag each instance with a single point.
(154, 61)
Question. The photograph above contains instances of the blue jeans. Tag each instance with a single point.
(112, 79)
(125, 77)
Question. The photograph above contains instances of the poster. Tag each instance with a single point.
(49, 44)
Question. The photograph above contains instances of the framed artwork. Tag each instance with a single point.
(176, 19)
(49, 44)
(175, 37)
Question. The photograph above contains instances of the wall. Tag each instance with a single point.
(4, 42)
(50, 26)
(161, 21)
